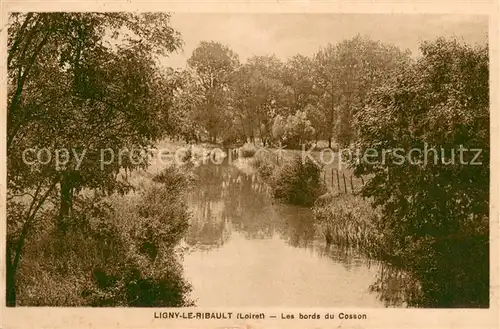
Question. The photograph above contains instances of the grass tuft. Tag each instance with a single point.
(348, 221)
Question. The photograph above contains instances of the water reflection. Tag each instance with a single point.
(248, 251)
(225, 200)
(394, 287)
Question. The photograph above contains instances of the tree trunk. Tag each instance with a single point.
(66, 199)
(330, 142)
(13, 255)
(11, 295)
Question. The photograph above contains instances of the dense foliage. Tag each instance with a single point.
(435, 204)
(299, 101)
(78, 84)
(124, 255)
(294, 130)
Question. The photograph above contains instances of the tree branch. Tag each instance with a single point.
(27, 224)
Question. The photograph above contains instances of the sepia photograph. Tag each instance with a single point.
(242, 160)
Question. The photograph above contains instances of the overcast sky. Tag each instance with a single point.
(288, 34)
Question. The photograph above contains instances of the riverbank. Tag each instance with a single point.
(121, 249)
(345, 220)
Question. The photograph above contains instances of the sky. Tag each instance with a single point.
(288, 34)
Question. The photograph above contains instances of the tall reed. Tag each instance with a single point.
(348, 221)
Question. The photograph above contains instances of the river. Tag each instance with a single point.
(245, 250)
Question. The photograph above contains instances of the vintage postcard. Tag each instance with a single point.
(249, 165)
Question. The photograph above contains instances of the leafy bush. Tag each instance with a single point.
(123, 253)
(298, 182)
(294, 130)
(264, 167)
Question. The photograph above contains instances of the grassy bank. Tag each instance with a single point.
(443, 271)
(348, 221)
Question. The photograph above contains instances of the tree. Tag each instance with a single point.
(327, 86)
(294, 131)
(260, 94)
(80, 82)
(186, 116)
(298, 75)
(346, 73)
(435, 206)
(214, 65)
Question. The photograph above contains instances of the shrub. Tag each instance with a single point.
(298, 182)
(451, 270)
(264, 167)
(435, 214)
(122, 253)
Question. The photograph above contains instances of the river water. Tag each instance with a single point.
(244, 250)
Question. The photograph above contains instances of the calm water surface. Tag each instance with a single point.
(246, 251)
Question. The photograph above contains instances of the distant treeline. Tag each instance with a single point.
(301, 100)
